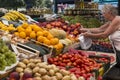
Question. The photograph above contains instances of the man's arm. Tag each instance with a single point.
(96, 30)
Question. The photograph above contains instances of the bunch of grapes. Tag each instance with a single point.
(2, 62)
(7, 57)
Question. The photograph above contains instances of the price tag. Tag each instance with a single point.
(5, 22)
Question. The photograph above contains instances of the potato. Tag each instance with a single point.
(21, 74)
(56, 69)
(42, 71)
(36, 69)
(37, 78)
(21, 64)
(53, 66)
(46, 77)
(19, 69)
(25, 61)
(28, 70)
(53, 78)
(37, 75)
(41, 65)
(64, 72)
(59, 76)
(73, 77)
(81, 78)
(51, 72)
(49, 67)
(66, 78)
(31, 65)
(31, 60)
(37, 61)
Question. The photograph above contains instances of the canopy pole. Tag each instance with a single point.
(55, 6)
(119, 7)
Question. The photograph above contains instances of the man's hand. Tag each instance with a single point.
(86, 34)
(83, 30)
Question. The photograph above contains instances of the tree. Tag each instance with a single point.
(43, 3)
(11, 4)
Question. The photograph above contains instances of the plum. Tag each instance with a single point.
(14, 76)
(26, 75)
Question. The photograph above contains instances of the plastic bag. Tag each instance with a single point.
(85, 42)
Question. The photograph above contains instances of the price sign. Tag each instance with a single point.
(5, 22)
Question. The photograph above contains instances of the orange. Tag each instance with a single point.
(31, 25)
(45, 33)
(16, 33)
(60, 45)
(28, 31)
(39, 33)
(54, 41)
(46, 41)
(25, 25)
(33, 35)
(50, 36)
(40, 38)
(36, 28)
(22, 34)
(20, 29)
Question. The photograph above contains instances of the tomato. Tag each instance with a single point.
(55, 59)
(74, 64)
(72, 69)
(64, 56)
(60, 59)
(72, 59)
(69, 64)
(78, 72)
(69, 56)
(55, 63)
(60, 55)
(62, 64)
(77, 75)
(50, 60)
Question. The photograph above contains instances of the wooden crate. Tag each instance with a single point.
(23, 51)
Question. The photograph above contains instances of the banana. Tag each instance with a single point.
(13, 17)
(18, 14)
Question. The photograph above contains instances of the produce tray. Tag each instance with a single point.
(44, 49)
(6, 74)
(105, 65)
(8, 70)
(22, 51)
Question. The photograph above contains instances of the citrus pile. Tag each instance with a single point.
(32, 31)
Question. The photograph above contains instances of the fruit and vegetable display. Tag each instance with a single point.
(32, 31)
(76, 62)
(72, 29)
(102, 46)
(14, 16)
(35, 69)
(7, 57)
(47, 50)
(86, 22)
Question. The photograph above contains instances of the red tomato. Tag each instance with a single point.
(50, 60)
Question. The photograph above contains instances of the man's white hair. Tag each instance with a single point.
(110, 8)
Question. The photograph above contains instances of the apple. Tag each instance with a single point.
(78, 24)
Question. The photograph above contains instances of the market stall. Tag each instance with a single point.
(51, 49)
